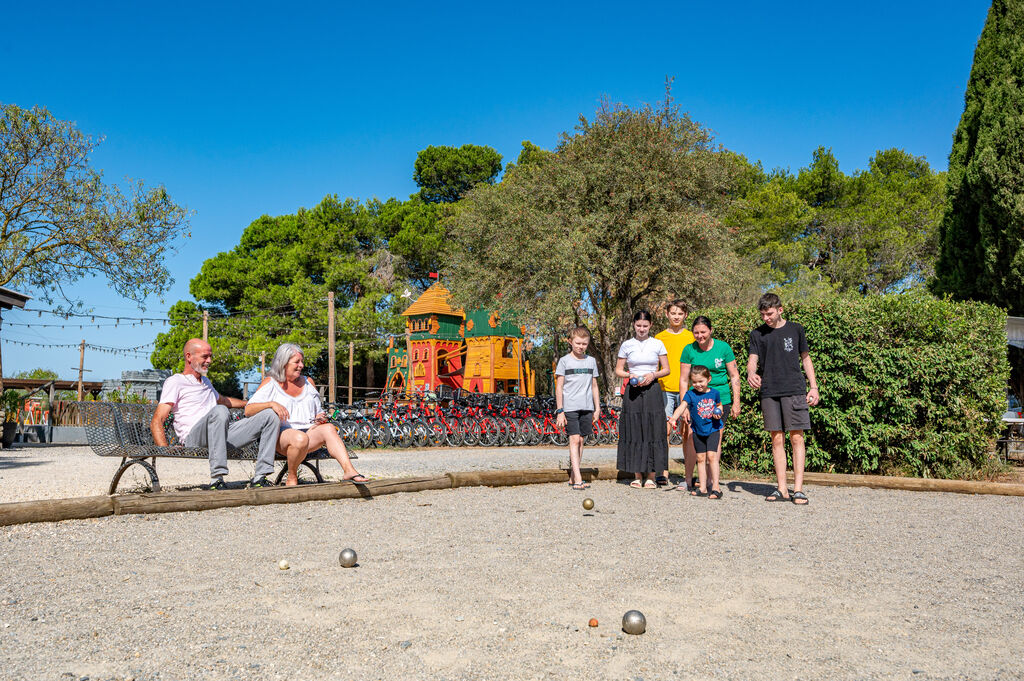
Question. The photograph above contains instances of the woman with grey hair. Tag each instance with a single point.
(304, 425)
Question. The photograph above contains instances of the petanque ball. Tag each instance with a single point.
(347, 558)
(283, 565)
(588, 504)
(634, 622)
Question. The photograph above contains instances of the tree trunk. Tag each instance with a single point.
(369, 372)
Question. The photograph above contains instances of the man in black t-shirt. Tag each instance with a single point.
(781, 349)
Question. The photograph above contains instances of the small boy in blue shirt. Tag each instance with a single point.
(704, 414)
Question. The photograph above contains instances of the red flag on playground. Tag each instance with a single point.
(433, 275)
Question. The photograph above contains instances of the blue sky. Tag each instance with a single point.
(259, 108)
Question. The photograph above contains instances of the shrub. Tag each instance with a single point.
(910, 385)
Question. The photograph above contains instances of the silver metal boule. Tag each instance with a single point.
(634, 622)
(347, 558)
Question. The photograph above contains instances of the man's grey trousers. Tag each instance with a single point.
(216, 431)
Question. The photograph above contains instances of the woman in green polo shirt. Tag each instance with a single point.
(718, 357)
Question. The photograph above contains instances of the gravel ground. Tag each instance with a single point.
(28, 473)
(481, 583)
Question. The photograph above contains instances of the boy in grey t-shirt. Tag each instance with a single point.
(578, 399)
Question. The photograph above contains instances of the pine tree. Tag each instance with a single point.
(982, 232)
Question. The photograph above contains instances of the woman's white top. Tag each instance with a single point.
(642, 356)
(301, 409)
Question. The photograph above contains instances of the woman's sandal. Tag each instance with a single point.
(800, 499)
(777, 495)
(579, 486)
(636, 484)
(650, 484)
(357, 479)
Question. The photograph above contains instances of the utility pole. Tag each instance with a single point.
(331, 359)
(81, 365)
(206, 326)
(351, 361)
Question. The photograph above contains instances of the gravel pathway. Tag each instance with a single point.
(481, 583)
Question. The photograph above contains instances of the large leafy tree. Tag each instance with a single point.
(445, 174)
(413, 229)
(982, 232)
(623, 215)
(272, 288)
(821, 231)
(60, 221)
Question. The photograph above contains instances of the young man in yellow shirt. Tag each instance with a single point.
(676, 337)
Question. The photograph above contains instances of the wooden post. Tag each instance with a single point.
(351, 361)
(408, 355)
(263, 365)
(81, 365)
(331, 360)
(206, 326)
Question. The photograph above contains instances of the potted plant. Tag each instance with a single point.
(10, 402)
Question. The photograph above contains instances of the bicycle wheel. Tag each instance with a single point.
(453, 432)
(488, 432)
(364, 435)
(381, 434)
(438, 436)
(470, 431)
(510, 433)
(533, 431)
(559, 437)
(347, 429)
(401, 434)
(420, 433)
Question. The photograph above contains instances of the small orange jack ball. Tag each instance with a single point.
(593, 621)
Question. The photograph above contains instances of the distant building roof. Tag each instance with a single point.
(9, 298)
(433, 301)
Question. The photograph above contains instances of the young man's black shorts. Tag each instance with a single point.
(786, 413)
(579, 422)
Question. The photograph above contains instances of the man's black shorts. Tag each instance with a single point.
(786, 413)
(579, 423)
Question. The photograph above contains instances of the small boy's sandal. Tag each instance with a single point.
(800, 499)
(715, 494)
(777, 495)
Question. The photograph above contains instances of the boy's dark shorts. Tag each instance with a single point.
(579, 423)
(786, 413)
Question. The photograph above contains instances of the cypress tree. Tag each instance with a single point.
(982, 232)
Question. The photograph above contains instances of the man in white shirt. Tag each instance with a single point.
(201, 418)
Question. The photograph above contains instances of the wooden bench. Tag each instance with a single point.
(122, 430)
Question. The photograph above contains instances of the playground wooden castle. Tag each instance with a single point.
(477, 351)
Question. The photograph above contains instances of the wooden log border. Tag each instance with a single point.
(55, 510)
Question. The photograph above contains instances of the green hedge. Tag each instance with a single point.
(910, 385)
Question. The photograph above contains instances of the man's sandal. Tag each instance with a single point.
(800, 499)
(715, 494)
(777, 495)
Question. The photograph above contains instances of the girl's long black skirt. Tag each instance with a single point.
(643, 438)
